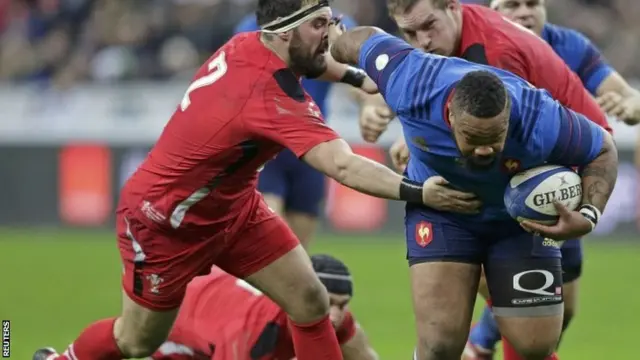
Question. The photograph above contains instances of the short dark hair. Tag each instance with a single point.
(269, 10)
(480, 94)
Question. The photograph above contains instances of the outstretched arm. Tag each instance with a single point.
(358, 347)
(346, 48)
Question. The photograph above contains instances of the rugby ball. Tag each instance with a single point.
(531, 193)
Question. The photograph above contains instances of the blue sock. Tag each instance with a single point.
(485, 333)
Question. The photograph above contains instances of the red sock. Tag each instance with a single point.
(96, 342)
(489, 303)
(509, 353)
(315, 341)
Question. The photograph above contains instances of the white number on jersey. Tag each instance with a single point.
(245, 285)
(217, 68)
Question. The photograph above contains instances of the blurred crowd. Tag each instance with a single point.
(62, 42)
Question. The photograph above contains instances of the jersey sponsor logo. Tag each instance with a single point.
(511, 166)
(381, 61)
(528, 282)
(424, 233)
(155, 280)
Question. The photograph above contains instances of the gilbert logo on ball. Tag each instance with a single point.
(531, 193)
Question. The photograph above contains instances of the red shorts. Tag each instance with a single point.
(158, 265)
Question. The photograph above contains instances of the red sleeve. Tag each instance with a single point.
(347, 329)
(543, 68)
(296, 125)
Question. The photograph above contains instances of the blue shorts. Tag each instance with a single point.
(300, 186)
(452, 238)
(571, 260)
(523, 271)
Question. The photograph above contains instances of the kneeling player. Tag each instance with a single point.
(225, 318)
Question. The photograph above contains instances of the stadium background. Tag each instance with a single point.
(86, 87)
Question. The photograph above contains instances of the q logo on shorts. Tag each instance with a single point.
(548, 281)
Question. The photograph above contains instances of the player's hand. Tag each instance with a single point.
(570, 225)
(399, 152)
(437, 195)
(626, 109)
(374, 119)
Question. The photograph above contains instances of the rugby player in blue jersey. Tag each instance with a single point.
(472, 127)
(614, 95)
(291, 187)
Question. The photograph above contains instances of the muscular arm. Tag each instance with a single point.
(346, 49)
(336, 160)
(600, 175)
(358, 347)
(579, 142)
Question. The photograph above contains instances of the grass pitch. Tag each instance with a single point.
(55, 282)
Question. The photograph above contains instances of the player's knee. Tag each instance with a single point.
(438, 346)
(138, 344)
(313, 304)
(535, 351)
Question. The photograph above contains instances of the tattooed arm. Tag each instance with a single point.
(599, 176)
(575, 141)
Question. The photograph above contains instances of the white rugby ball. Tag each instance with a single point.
(531, 193)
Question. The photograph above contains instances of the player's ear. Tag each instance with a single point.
(285, 36)
(453, 4)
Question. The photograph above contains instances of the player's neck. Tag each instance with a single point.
(276, 47)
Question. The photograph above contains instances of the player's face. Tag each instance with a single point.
(480, 141)
(308, 46)
(338, 307)
(431, 29)
(528, 13)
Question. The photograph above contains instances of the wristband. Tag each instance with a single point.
(411, 191)
(590, 213)
(354, 77)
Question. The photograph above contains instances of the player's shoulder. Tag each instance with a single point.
(560, 35)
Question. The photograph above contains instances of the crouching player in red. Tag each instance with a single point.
(193, 202)
(228, 315)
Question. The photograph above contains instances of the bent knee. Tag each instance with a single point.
(440, 347)
(313, 303)
(532, 348)
(137, 347)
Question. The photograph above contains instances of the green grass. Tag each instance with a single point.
(54, 283)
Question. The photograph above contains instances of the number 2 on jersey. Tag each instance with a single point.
(217, 68)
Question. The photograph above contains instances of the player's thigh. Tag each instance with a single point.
(483, 288)
(524, 276)
(154, 281)
(445, 269)
(572, 262)
(269, 256)
(273, 184)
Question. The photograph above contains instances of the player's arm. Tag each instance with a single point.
(390, 62)
(318, 145)
(558, 79)
(358, 347)
(579, 142)
(614, 94)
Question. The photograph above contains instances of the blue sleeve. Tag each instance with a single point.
(593, 68)
(404, 75)
(569, 138)
(248, 23)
